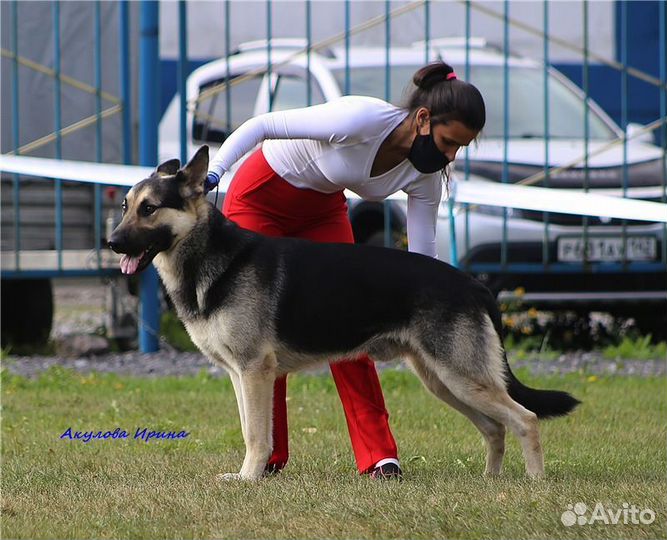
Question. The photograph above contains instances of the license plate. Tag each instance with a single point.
(597, 248)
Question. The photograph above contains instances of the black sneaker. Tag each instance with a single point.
(388, 471)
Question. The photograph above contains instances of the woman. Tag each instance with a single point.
(293, 186)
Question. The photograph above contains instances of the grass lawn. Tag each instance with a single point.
(612, 450)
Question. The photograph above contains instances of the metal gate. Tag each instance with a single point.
(547, 127)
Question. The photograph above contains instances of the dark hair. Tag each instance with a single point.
(447, 98)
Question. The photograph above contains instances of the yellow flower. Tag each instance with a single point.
(532, 313)
(592, 378)
(520, 292)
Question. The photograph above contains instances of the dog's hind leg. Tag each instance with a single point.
(471, 363)
(495, 402)
(492, 431)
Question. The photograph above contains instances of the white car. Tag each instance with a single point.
(555, 257)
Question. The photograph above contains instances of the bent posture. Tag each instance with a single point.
(292, 186)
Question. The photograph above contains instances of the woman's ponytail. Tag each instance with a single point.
(431, 74)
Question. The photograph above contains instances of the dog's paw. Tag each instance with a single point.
(236, 477)
(226, 477)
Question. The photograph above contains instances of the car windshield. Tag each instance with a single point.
(526, 101)
(372, 81)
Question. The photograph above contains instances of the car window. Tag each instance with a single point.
(371, 81)
(291, 92)
(526, 105)
(212, 120)
(526, 102)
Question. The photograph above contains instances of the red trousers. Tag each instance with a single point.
(260, 200)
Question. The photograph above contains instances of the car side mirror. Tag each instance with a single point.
(633, 128)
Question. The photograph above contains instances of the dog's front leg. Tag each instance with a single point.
(257, 394)
(238, 391)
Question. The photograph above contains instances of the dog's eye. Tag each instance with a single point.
(148, 209)
(123, 207)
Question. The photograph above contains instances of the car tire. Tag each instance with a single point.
(27, 312)
(377, 239)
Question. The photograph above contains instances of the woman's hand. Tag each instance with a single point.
(212, 180)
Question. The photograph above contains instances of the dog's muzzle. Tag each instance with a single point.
(130, 263)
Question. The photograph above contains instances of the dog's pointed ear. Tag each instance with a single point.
(169, 168)
(193, 175)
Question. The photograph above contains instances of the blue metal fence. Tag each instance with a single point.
(505, 264)
(63, 265)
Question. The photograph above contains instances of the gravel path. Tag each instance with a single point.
(80, 307)
(170, 362)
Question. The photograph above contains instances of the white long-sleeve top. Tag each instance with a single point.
(331, 147)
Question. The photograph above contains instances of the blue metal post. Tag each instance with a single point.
(16, 194)
(506, 124)
(466, 163)
(624, 114)
(662, 47)
(228, 50)
(427, 31)
(453, 246)
(97, 189)
(586, 88)
(269, 64)
(125, 91)
(309, 44)
(182, 75)
(547, 134)
(388, 241)
(387, 50)
(346, 89)
(55, 9)
(149, 311)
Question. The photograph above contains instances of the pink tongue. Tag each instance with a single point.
(128, 265)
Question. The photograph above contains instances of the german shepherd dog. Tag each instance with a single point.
(262, 307)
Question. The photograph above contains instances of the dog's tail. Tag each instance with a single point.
(544, 403)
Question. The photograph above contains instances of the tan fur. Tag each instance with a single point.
(492, 431)
(468, 372)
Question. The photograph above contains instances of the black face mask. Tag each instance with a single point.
(425, 156)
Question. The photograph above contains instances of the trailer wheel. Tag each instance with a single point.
(27, 311)
(377, 239)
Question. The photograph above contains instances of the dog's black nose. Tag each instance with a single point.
(117, 241)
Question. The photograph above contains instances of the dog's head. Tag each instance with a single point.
(160, 211)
